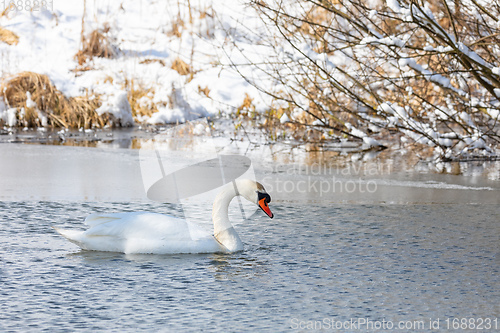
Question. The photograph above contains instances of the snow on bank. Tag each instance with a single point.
(177, 60)
(150, 38)
(8, 115)
(117, 105)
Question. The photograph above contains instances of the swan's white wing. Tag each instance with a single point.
(142, 225)
(95, 219)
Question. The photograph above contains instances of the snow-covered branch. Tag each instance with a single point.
(427, 71)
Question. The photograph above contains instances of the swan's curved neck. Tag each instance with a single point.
(223, 230)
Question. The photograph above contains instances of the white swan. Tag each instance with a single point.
(143, 232)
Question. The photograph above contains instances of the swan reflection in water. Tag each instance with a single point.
(221, 266)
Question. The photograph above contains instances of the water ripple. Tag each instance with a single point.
(309, 263)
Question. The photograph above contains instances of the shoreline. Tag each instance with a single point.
(401, 157)
(111, 171)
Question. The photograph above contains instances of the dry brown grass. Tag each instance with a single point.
(81, 113)
(181, 67)
(6, 10)
(247, 104)
(97, 44)
(150, 61)
(137, 94)
(177, 27)
(74, 112)
(205, 91)
(8, 37)
(46, 97)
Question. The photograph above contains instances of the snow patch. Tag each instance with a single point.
(178, 110)
(29, 101)
(116, 104)
(9, 116)
(284, 119)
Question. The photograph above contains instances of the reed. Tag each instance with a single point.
(40, 103)
(181, 67)
(140, 99)
(8, 37)
(97, 44)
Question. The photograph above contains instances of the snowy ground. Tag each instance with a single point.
(149, 37)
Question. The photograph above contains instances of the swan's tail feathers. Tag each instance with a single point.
(71, 235)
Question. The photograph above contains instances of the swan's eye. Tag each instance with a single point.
(265, 196)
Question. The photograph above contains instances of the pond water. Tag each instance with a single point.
(311, 265)
(375, 251)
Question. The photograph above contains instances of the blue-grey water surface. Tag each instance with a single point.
(310, 265)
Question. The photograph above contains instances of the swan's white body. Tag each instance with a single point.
(144, 232)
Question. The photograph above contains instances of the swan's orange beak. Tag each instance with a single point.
(265, 207)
